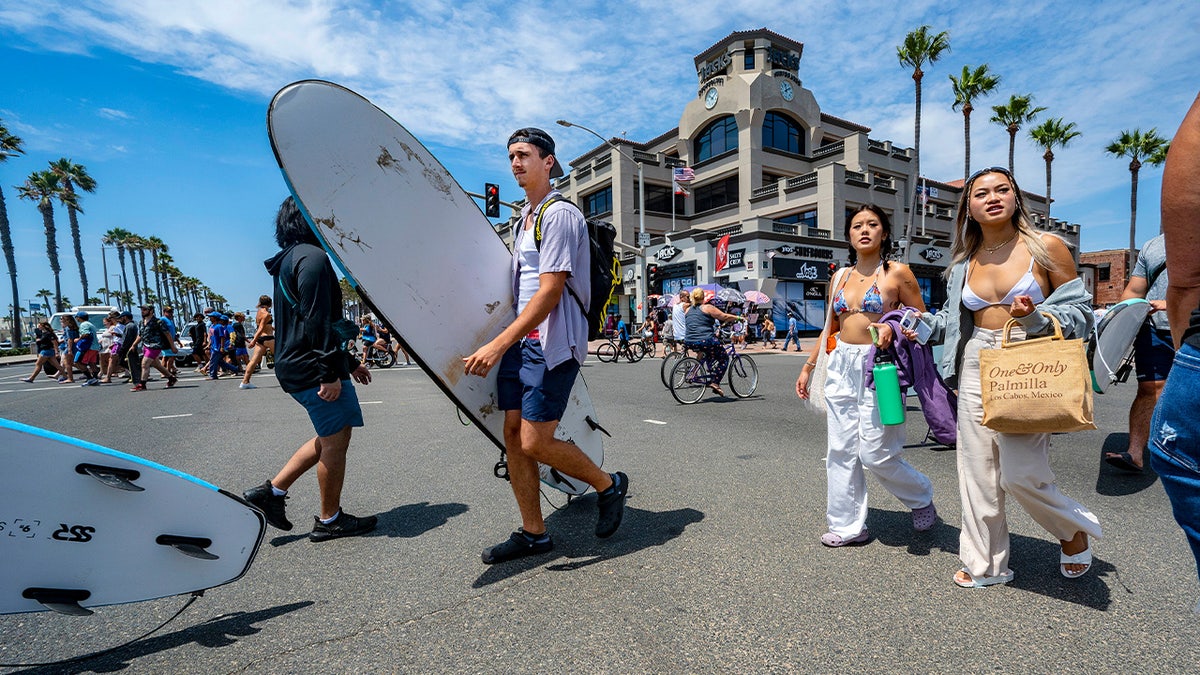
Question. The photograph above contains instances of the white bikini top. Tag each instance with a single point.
(1026, 285)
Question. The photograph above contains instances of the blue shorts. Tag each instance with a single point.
(240, 351)
(526, 384)
(1153, 354)
(330, 417)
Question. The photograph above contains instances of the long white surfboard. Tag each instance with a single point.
(413, 244)
(1115, 334)
(84, 526)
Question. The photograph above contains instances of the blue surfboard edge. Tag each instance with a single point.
(88, 445)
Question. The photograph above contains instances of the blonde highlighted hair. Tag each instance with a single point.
(969, 234)
(697, 296)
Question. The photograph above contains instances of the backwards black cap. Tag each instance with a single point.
(541, 139)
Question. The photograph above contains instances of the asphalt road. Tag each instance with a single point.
(718, 567)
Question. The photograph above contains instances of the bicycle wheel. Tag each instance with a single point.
(668, 364)
(634, 351)
(689, 380)
(743, 376)
(648, 348)
(386, 359)
(607, 352)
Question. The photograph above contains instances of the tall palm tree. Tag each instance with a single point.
(75, 176)
(10, 146)
(1013, 115)
(140, 246)
(919, 48)
(155, 246)
(1137, 146)
(972, 84)
(43, 187)
(1052, 133)
(116, 237)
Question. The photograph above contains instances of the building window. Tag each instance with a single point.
(716, 194)
(781, 133)
(658, 198)
(598, 202)
(748, 62)
(808, 219)
(718, 137)
(1103, 272)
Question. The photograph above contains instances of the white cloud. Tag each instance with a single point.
(113, 114)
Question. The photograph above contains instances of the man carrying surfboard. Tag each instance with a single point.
(312, 366)
(1153, 352)
(540, 353)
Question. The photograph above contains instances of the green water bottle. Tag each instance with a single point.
(888, 397)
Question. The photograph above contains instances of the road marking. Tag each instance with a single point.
(167, 417)
(369, 402)
(654, 421)
(14, 391)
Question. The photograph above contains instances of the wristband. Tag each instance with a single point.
(810, 364)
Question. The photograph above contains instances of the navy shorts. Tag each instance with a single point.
(330, 417)
(526, 384)
(1153, 354)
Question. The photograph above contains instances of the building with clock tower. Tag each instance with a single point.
(775, 173)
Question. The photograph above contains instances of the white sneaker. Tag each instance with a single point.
(247, 385)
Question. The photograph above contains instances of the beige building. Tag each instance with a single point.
(775, 173)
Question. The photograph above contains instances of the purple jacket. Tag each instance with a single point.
(916, 367)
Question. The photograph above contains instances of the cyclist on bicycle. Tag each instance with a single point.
(700, 334)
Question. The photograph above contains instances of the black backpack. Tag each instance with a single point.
(605, 271)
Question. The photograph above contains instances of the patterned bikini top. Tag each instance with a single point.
(872, 301)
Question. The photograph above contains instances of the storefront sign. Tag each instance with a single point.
(718, 65)
(814, 293)
(800, 270)
(806, 251)
(783, 59)
(666, 253)
(736, 257)
(931, 254)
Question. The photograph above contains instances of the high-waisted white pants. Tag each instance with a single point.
(858, 441)
(992, 465)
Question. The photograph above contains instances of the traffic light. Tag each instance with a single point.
(832, 270)
(491, 200)
(652, 272)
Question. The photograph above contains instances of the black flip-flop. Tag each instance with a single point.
(1123, 461)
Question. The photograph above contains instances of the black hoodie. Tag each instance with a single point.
(307, 301)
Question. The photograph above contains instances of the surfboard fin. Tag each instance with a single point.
(61, 600)
(596, 425)
(121, 479)
(195, 547)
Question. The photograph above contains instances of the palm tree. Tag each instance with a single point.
(44, 294)
(43, 187)
(1135, 145)
(141, 245)
(918, 49)
(969, 86)
(10, 146)
(1048, 135)
(156, 246)
(116, 237)
(75, 176)
(1018, 112)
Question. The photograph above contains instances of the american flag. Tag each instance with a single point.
(684, 174)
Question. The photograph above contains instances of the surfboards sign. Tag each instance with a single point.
(413, 244)
(83, 526)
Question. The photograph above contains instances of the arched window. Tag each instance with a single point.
(781, 133)
(718, 137)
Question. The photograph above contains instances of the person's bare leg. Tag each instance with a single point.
(522, 476)
(538, 442)
(1140, 413)
(305, 458)
(331, 471)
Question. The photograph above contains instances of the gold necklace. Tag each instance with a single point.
(997, 247)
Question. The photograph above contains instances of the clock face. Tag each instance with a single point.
(710, 97)
(785, 89)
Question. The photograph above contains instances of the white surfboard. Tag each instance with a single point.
(1110, 353)
(413, 244)
(83, 526)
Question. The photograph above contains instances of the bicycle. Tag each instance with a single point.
(610, 351)
(691, 376)
(680, 350)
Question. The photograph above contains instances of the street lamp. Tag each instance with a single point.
(640, 261)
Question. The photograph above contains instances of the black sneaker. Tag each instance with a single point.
(612, 506)
(271, 505)
(345, 525)
(518, 545)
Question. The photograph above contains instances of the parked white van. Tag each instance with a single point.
(96, 314)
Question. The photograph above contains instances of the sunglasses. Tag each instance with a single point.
(990, 169)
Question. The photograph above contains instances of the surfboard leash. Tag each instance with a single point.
(104, 652)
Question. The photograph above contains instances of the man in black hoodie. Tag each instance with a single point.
(311, 366)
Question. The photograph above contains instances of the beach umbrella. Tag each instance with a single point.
(731, 295)
(757, 297)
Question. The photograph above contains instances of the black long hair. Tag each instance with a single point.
(886, 247)
(291, 227)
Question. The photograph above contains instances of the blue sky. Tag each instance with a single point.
(165, 103)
